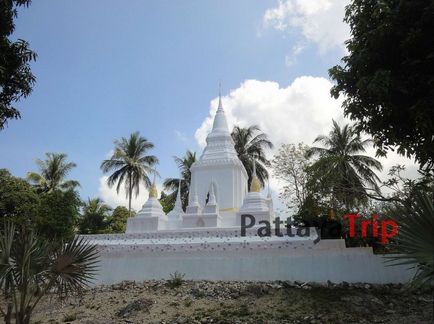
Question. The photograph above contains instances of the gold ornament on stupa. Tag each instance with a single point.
(153, 193)
(255, 185)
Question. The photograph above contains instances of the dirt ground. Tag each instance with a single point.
(239, 302)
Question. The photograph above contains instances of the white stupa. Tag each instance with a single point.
(255, 203)
(151, 217)
(218, 190)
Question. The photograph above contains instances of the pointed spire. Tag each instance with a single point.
(177, 211)
(220, 122)
(211, 199)
(220, 107)
(178, 196)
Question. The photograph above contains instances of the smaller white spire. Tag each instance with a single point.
(176, 213)
(178, 197)
(211, 199)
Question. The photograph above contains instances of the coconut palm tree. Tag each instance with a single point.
(184, 164)
(130, 165)
(341, 168)
(31, 267)
(52, 173)
(95, 217)
(250, 145)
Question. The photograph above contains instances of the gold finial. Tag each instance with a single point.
(255, 186)
(153, 193)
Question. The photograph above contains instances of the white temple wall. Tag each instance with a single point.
(350, 265)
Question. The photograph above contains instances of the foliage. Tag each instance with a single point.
(30, 268)
(167, 207)
(290, 165)
(53, 171)
(16, 78)
(19, 202)
(403, 189)
(184, 164)
(95, 218)
(130, 165)
(58, 215)
(387, 77)
(341, 171)
(416, 238)
(118, 219)
(250, 145)
(176, 279)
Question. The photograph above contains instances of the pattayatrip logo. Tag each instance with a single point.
(384, 229)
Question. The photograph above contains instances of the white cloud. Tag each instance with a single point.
(319, 22)
(290, 60)
(113, 199)
(181, 136)
(296, 113)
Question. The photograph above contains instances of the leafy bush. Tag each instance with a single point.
(30, 268)
(176, 279)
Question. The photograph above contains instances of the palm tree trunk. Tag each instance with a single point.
(130, 192)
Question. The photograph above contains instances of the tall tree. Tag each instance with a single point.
(57, 215)
(184, 164)
(290, 165)
(341, 168)
(19, 201)
(16, 78)
(250, 144)
(95, 217)
(387, 78)
(52, 173)
(130, 165)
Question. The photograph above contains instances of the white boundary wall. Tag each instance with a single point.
(231, 257)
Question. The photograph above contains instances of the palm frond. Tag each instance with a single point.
(416, 238)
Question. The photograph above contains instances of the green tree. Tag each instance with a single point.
(58, 215)
(52, 173)
(341, 170)
(387, 78)
(290, 165)
(250, 145)
(184, 164)
(163, 201)
(118, 219)
(130, 165)
(95, 218)
(19, 201)
(30, 268)
(16, 78)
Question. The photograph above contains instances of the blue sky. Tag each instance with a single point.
(104, 71)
